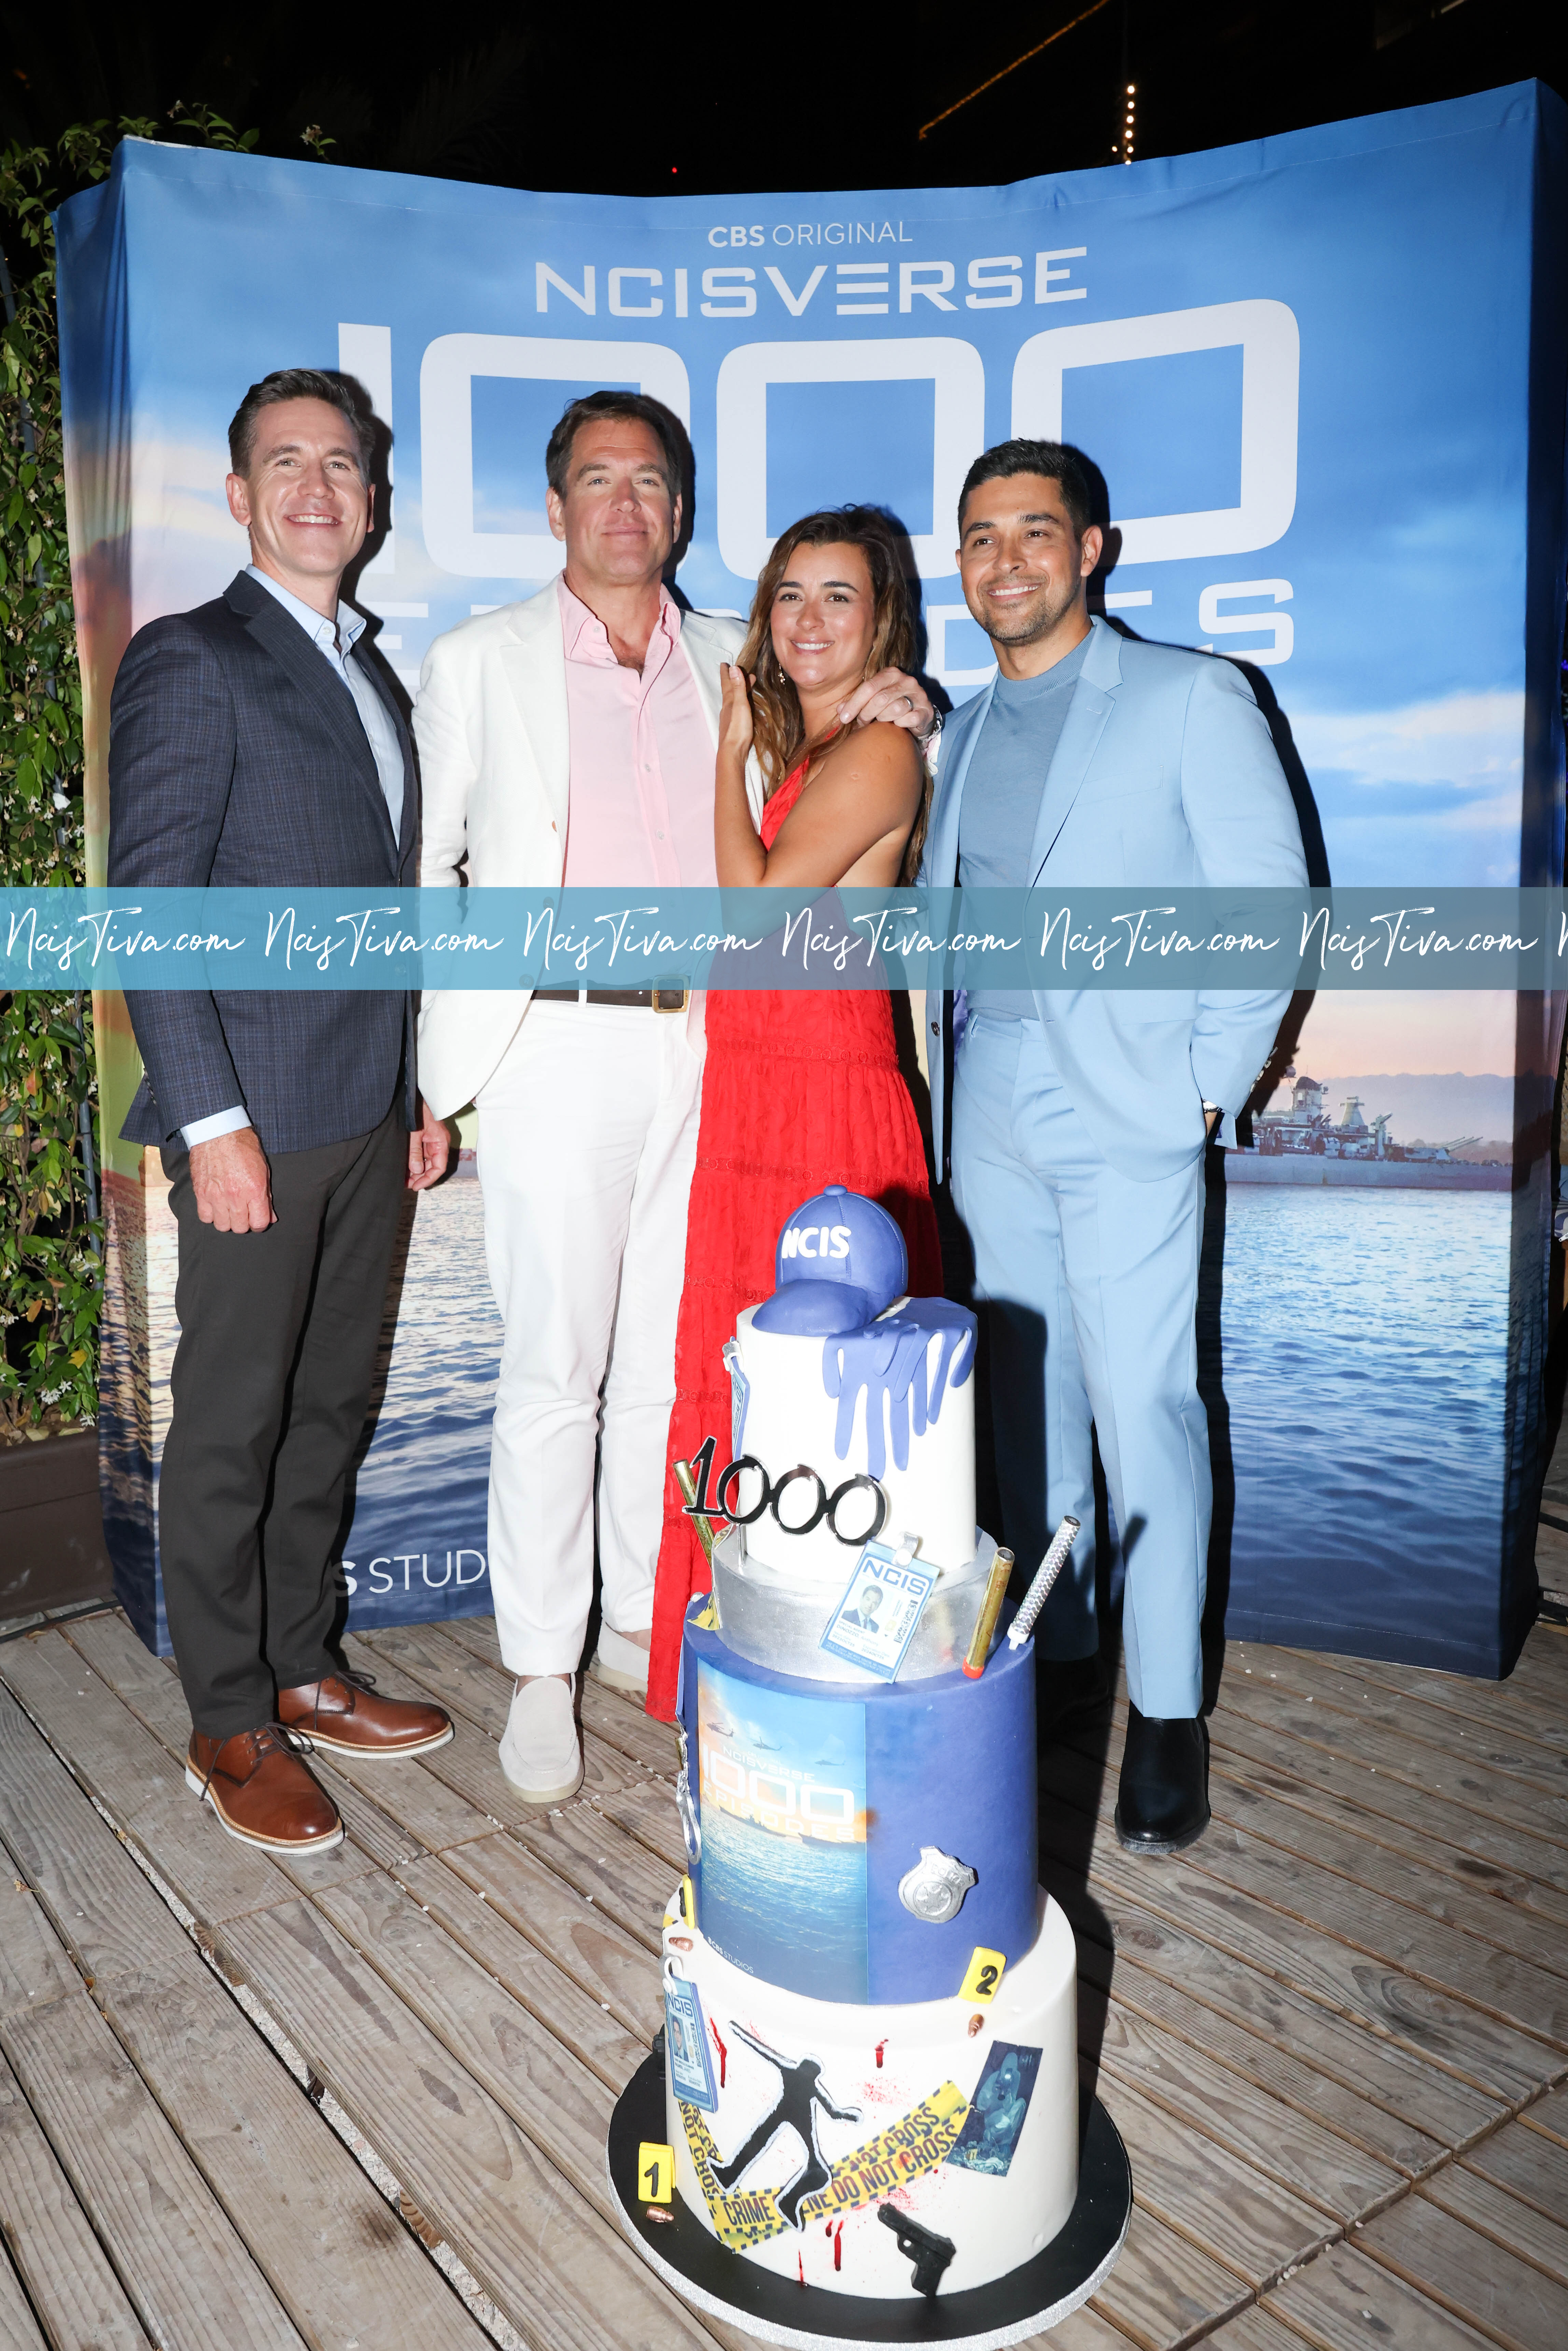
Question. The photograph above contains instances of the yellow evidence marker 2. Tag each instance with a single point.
(985, 1973)
(656, 2173)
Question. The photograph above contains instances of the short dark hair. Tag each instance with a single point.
(634, 407)
(1051, 459)
(340, 392)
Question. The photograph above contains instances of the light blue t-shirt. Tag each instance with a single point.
(1002, 794)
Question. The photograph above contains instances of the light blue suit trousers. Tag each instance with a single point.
(1092, 1283)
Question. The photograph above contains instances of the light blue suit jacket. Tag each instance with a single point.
(1165, 777)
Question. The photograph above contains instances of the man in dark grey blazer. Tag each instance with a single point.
(258, 742)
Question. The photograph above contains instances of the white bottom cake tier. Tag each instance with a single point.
(795, 2121)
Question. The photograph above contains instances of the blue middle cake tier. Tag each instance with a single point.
(816, 1803)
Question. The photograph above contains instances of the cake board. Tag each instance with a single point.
(1027, 2302)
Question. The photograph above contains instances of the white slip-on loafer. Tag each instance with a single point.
(619, 1664)
(540, 1751)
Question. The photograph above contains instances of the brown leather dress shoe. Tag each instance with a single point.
(344, 1715)
(261, 1791)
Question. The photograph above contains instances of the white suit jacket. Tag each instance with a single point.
(496, 761)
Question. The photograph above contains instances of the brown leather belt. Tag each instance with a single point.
(654, 999)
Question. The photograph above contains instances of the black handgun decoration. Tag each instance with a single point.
(929, 2252)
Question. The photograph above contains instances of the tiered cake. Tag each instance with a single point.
(871, 2049)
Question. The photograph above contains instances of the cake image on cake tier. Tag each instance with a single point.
(867, 2122)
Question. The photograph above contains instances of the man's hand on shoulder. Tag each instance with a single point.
(233, 1182)
(895, 697)
(429, 1147)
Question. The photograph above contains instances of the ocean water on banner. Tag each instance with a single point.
(417, 1545)
(1355, 1323)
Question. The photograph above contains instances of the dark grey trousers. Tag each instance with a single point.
(271, 1383)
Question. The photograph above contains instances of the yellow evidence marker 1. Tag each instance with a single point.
(656, 2173)
(983, 1975)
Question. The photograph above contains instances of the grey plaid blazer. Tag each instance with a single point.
(237, 758)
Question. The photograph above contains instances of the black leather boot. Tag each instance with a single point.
(1161, 1800)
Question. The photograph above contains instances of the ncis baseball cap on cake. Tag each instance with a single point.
(840, 1262)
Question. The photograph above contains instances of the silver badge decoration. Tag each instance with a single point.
(934, 1888)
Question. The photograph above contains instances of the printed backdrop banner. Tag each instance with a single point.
(1321, 377)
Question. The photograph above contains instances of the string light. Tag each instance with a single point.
(1129, 124)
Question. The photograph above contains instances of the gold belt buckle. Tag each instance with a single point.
(670, 1000)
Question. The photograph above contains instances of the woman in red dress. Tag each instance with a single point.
(800, 1090)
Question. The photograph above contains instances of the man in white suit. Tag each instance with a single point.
(571, 739)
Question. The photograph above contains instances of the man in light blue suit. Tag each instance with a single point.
(1079, 1116)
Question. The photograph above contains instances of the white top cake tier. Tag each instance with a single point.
(892, 1402)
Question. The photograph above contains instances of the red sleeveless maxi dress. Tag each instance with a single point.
(800, 1090)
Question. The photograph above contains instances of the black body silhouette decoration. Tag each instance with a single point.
(800, 2092)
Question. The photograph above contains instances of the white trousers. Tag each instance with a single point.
(587, 1138)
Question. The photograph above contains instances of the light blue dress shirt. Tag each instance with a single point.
(1002, 794)
(334, 640)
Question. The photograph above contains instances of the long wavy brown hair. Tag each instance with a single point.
(778, 730)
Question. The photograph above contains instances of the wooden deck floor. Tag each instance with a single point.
(362, 2104)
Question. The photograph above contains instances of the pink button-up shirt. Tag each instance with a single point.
(640, 812)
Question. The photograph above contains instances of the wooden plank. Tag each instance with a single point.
(462, 1682)
(133, 1776)
(587, 2026)
(480, 1696)
(1529, 2165)
(647, 1810)
(561, 2102)
(18, 2328)
(99, 1904)
(613, 1966)
(34, 1967)
(1258, 1912)
(1360, 1740)
(478, 1634)
(1163, 2290)
(1085, 2330)
(1285, 2145)
(1344, 2302)
(1254, 2330)
(62, 2265)
(1193, 2183)
(1515, 1991)
(337, 2256)
(1549, 2115)
(1490, 2209)
(1488, 1853)
(470, 1765)
(1470, 2275)
(1435, 1743)
(1352, 1847)
(187, 2271)
(1351, 2051)
(621, 1723)
(604, 1861)
(1367, 1861)
(433, 1815)
(1511, 1707)
(540, 2252)
(1284, 2053)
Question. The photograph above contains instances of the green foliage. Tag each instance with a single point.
(50, 1243)
(50, 1237)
